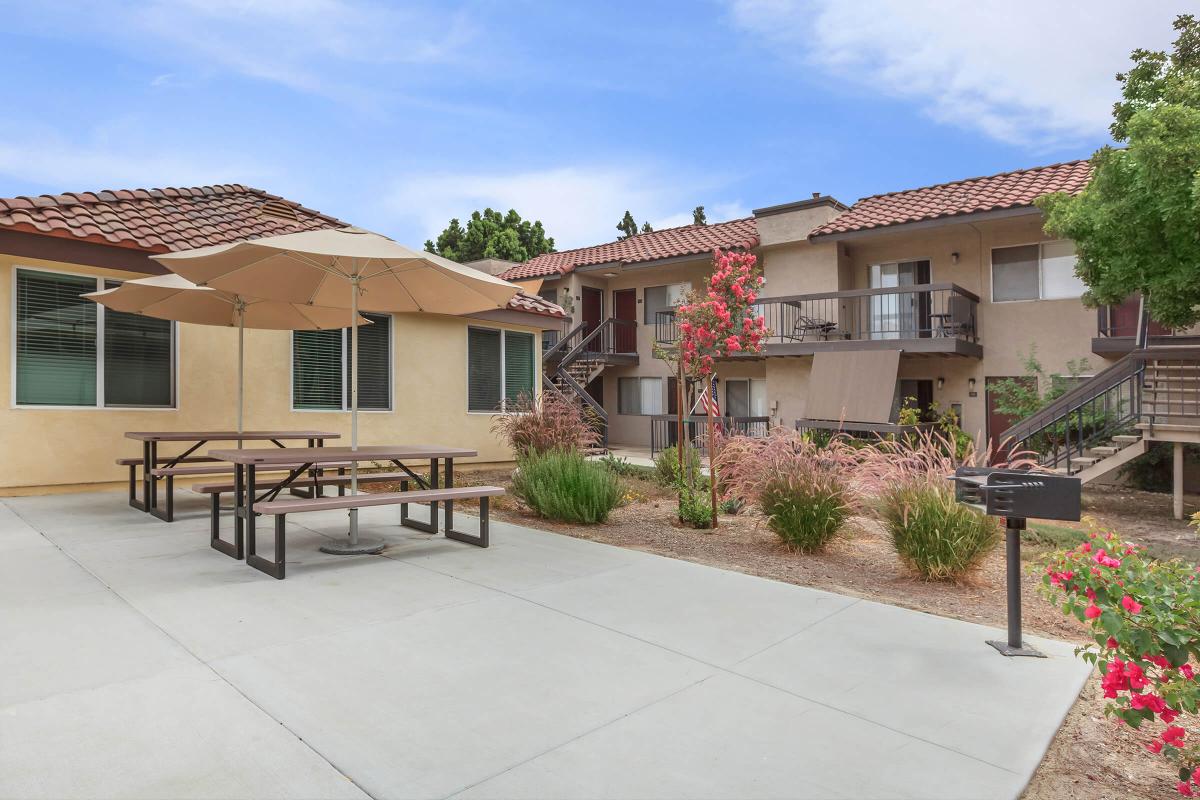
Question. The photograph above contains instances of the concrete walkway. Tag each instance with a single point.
(139, 663)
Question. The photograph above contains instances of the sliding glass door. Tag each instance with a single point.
(900, 314)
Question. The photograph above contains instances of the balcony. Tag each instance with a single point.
(1117, 326)
(934, 318)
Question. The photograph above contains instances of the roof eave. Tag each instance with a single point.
(933, 222)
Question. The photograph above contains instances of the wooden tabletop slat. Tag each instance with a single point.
(226, 436)
(320, 455)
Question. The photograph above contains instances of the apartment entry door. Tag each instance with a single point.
(901, 314)
(593, 314)
(625, 308)
(997, 422)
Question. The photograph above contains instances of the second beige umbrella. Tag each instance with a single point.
(176, 298)
(350, 268)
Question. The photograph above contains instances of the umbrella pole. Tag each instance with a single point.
(353, 546)
(241, 312)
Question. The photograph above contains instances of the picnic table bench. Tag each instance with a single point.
(250, 503)
(157, 468)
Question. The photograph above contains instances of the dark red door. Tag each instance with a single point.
(593, 313)
(1123, 320)
(997, 422)
(625, 331)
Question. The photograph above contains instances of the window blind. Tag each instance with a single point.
(375, 367)
(518, 366)
(56, 340)
(483, 370)
(138, 359)
(317, 370)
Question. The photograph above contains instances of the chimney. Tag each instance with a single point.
(816, 195)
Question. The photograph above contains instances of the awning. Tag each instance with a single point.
(531, 285)
(854, 386)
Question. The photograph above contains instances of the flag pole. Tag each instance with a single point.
(712, 449)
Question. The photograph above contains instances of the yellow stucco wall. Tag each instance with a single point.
(73, 446)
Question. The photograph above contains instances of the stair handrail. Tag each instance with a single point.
(579, 348)
(561, 344)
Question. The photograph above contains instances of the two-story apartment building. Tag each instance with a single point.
(932, 293)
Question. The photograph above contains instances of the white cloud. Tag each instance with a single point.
(579, 206)
(1024, 71)
(46, 158)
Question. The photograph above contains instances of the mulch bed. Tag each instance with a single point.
(1090, 756)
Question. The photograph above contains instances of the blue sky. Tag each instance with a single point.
(397, 116)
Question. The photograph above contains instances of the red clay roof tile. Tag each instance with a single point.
(667, 243)
(989, 193)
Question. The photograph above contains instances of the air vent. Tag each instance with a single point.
(278, 209)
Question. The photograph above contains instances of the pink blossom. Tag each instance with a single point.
(1092, 611)
(1174, 736)
(1131, 605)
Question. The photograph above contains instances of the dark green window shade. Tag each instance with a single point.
(374, 370)
(483, 370)
(317, 370)
(518, 366)
(138, 358)
(56, 340)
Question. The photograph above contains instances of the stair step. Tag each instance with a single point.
(1105, 451)
(1125, 438)
(1083, 461)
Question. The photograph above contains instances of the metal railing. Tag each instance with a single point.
(860, 430)
(932, 310)
(578, 353)
(1158, 385)
(664, 430)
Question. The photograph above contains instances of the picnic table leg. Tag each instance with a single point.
(249, 506)
(239, 503)
(449, 485)
(433, 484)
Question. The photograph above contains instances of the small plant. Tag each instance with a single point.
(550, 423)
(732, 506)
(563, 485)
(935, 536)
(801, 486)
(618, 465)
(694, 505)
(1144, 617)
(666, 465)
(806, 512)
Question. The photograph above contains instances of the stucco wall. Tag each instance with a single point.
(78, 445)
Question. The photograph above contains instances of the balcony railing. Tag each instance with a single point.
(664, 429)
(924, 311)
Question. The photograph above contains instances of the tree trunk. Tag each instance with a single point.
(712, 452)
(679, 395)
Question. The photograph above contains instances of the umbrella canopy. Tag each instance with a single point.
(305, 268)
(174, 297)
(348, 268)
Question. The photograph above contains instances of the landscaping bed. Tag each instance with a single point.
(1091, 756)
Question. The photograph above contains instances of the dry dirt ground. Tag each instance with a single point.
(1091, 757)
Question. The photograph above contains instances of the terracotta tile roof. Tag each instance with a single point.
(991, 193)
(161, 220)
(667, 243)
(165, 220)
(523, 301)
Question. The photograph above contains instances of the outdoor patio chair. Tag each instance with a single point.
(958, 319)
(803, 326)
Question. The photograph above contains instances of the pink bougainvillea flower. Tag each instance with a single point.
(1112, 644)
(1184, 789)
(1174, 736)
(1086, 547)
(1131, 605)
(1092, 611)
(1167, 716)
(1196, 776)
(1188, 672)
(1154, 746)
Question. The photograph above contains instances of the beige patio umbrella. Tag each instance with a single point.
(175, 298)
(347, 268)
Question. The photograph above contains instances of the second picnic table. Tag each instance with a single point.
(247, 461)
(151, 462)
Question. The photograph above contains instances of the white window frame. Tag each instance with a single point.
(100, 405)
(1041, 243)
(537, 369)
(345, 409)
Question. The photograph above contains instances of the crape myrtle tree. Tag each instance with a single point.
(1136, 225)
(490, 234)
(721, 322)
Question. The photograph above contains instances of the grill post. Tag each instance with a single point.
(1012, 551)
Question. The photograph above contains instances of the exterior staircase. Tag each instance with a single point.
(581, 356)
(1111, 419)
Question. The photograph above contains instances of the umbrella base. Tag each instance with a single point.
(345, 548)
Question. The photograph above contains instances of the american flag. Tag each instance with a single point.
(708, 401)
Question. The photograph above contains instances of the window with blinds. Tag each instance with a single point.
(321, 367)
(71, 352)
(500, 369)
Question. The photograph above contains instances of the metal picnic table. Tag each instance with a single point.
(247, 461)
(197, 439)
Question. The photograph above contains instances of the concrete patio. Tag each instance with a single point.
(139, 663)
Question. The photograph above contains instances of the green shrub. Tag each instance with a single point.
(935, 536)
(695, 504)
(563, 485)
(666, 465)
(805, 513)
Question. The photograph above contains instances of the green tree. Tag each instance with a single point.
(698, 217)
(627, 226)
(490, 234)
(1136, 225)
(646, 228)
